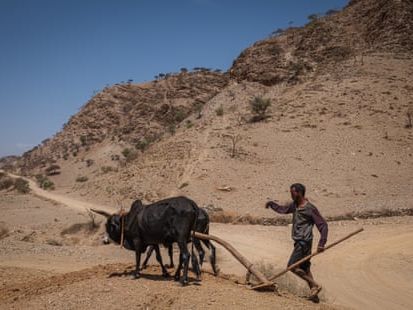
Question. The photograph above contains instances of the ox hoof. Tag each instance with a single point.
(135, 276)
(166, 275)
(176, 278)
(184, 282)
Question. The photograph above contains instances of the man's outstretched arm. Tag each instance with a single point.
(280, 209)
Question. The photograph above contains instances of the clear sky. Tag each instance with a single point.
(54, 54)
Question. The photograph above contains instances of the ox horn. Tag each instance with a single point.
(101, 212)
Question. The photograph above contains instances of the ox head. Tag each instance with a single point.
(113, 226)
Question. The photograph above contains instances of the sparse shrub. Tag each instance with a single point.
(44, 182)
(277, 32)
(22, 185)
(6, 182)
(53, 170)
(331, 12)
(142, 145)
(115, 157)
(179, 116)
(220, 111)
(259, 107)
(83, 140)
(234, 141)
(171, 129)
(198, 109)
(188, 124)
(89, 162)
(82, 179)
(65, 156)
(126, 152)
(129, 154)
(313, 17)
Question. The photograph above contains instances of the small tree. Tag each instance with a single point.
(313, 17)
(220, 111)
(234, 140)
(259, 108)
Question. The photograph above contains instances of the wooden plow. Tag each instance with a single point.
(267, 284)
(245, 262)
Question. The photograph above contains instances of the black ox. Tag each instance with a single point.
(202, 226)
(163, 222)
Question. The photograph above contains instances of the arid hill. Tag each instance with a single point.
(339, 121)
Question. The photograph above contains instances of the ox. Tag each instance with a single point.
(163, 222)
(202, 226)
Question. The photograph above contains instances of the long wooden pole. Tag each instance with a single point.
(307, 258)
(245, 262)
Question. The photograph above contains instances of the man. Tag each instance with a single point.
(305, 215)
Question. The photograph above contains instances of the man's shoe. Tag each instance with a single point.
(314, 291)
(314, 299)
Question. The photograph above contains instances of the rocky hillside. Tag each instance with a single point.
(363, 27)
(137, 114)
(340, 122)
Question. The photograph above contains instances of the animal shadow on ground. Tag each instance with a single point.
(150, 276)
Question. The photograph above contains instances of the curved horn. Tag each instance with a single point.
(101, 212)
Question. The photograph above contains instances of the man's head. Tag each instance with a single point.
(297, 192)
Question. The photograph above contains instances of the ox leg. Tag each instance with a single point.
(148, 255)
(178, 270)
(195, 265)
(185, 261)
(212, 256)
(200, 250)
(171, 256)
(138, 252)
(159, 259)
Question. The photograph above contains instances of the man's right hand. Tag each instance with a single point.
(268, 204)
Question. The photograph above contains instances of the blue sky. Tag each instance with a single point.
(55, 53)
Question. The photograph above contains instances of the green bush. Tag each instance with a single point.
(259, 108)
(44, 182)
(129, 154)
(142, 144)
(22, 185)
